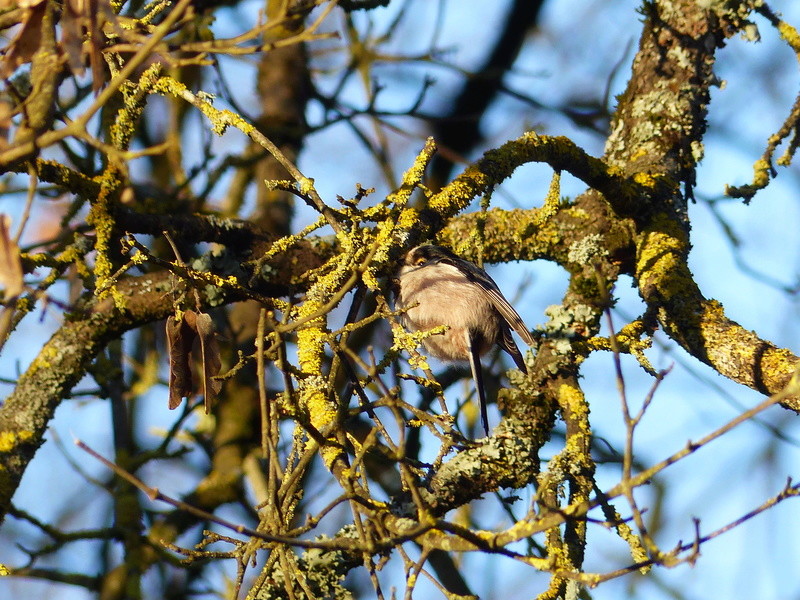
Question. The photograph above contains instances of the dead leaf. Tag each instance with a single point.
(82, 26)
(209, 358)
(72, 21)
(193, 337)
(10, 261)
(179, 346)
(26, 42)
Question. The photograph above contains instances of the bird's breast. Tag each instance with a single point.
(446, 297)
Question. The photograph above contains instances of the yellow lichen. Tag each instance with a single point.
(645, 179)
(552, 203)
(43, 359)
(761, 173)
(407, 219)
(101, 220)
(320, 410)
(413, 176)
(309, 349)
(572, 399)
(36, 260)
(791, 36)
(640, 153)
(9, 440)
(306, 185)
(661, 253)
(569, 395)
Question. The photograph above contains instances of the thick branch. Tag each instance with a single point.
(234, 233)
(658, 129)
(60, 364)
(700, 325)
(64, 359)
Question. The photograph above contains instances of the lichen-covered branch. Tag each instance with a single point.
(64, 359)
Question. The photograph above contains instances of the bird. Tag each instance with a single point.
(436, 287)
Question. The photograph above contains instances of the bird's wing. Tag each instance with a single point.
(494, 295)
(508, 344)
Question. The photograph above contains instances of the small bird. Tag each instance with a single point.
(436, 288)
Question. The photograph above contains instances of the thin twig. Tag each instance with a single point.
(155, 494)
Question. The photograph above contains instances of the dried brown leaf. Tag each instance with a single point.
(72, 21)
(27, 41)
(193, 337)
(82, 25)
(10, 262)
(180, 337)
(209, 358)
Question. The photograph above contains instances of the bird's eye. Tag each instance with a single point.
(419, 261)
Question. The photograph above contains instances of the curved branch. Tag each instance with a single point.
(60, 364)
(700, 325)
(673, 71)
(66, 356)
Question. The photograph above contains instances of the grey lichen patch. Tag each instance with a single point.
(681, 56)
(403, 525)
(564, 325)
(656, 104)
(214, 295)
(587, 249)
(698, 150)
(146, 286)
(267, 272)
(750, 33)
(219, 261)
(323, 570)
(554, 477)
(222, 262)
